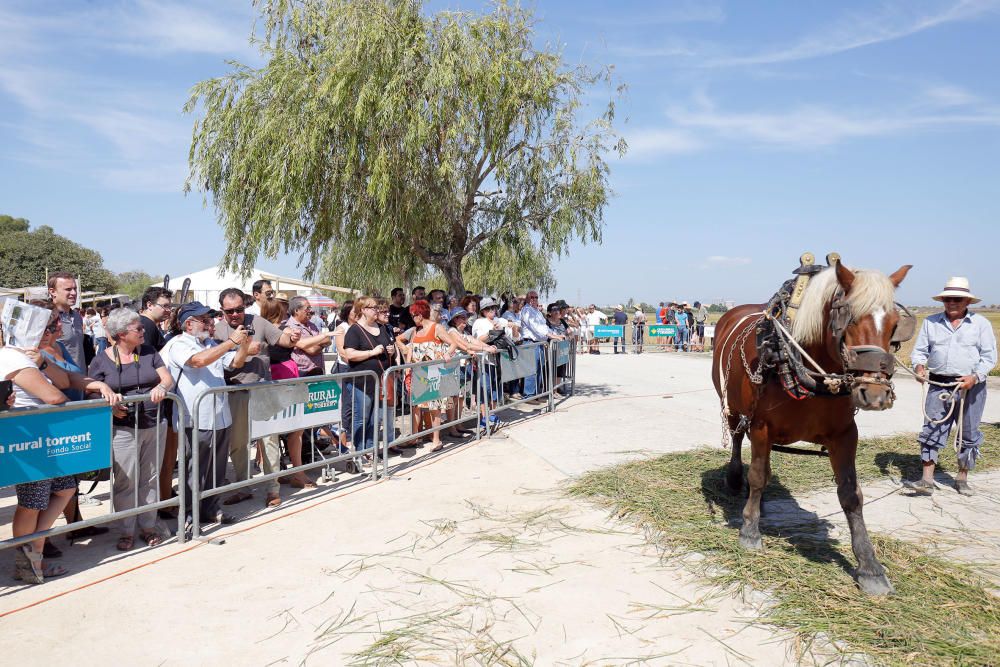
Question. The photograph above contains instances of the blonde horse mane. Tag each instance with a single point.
(872, 290)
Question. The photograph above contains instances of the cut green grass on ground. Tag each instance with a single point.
(940, 613)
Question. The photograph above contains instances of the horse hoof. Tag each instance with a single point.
(875, 584)
(751, 543)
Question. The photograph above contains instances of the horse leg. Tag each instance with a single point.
(870, 574)
(734, 471)
(759, 466)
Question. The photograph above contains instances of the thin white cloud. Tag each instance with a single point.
(895, 21)
(946, 95)
(813, 126)
(644, 143)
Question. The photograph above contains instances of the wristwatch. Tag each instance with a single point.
(45, 364)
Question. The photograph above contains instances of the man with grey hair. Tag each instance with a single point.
(955, 350)
(257, 368)
(197, 363)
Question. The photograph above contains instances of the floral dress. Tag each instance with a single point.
(427, 347)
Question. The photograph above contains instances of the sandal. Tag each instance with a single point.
(273, 501)
(298, 483)
(126, 542)
(51, 550)
(50, 570)
(28, 565)
(152, 539)
(438, 447)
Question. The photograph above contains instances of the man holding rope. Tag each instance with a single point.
(959, 349)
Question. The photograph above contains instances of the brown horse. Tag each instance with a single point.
(844, 316)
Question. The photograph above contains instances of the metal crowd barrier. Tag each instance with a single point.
(282, 405)
(517, 376)
(634, 342)
(415, 384)
(473, 385)
(160, 431)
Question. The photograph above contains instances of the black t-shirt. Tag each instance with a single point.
(152, 335)
(357, 338)
(400, 318)
(131, 380)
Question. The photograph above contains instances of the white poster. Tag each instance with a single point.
(23, 324)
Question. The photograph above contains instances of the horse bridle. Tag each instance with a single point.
(860, 359)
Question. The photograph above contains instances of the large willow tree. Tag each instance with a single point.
(382, 144)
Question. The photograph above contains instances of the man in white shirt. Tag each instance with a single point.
(262, 291)
(594, 318)
(198, 363)
(534, 329)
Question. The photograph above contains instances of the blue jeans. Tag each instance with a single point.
(535, 383)
(934, 437)
(363, 426)
(683, 337)
(615, 343)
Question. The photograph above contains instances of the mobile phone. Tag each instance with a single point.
(6, 388)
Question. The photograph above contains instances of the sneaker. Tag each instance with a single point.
(963, 488)
(225, 518)
(88, 501)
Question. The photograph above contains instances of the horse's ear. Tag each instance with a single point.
(898, 276)
(845, 277)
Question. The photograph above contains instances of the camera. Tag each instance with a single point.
(131, 411)
(249, 329)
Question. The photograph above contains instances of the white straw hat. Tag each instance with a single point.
(957, 286)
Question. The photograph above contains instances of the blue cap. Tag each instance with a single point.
(193, 309)
(458, 312)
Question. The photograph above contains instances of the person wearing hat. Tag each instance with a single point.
(620, 319)
(638, 329)
(196, 362)
(955, 348)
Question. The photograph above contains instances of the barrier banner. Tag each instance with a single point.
(562, 352)
(521, 367)
(42, 445)
(321, 407)
(710, 331)
(609, 331)
(659, 330)
(431, 383)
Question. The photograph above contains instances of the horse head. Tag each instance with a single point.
(863, 319)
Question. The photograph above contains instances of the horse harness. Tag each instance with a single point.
(780, 355)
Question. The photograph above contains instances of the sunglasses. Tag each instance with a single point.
(953, 299)
(233, 311)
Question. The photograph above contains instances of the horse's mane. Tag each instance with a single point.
(871, 291)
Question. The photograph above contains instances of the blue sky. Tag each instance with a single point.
(758, 130)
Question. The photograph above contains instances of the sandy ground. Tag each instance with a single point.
(464, 556)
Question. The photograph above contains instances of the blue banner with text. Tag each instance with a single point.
(41, 445)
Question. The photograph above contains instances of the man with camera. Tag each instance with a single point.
(257, 368)
(197, 363)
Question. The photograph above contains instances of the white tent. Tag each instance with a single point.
(207, 284)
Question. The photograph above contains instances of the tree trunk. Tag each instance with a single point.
(451, 268)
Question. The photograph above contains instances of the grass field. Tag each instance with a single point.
(941, 614)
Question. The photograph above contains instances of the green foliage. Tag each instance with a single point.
(717, 308)
(383, 144)
(9, 224)
(134, 283)
(25, 255)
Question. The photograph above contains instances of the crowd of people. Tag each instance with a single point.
(161, 348)
(689, 320)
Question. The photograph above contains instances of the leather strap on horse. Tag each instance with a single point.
(797, 450)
